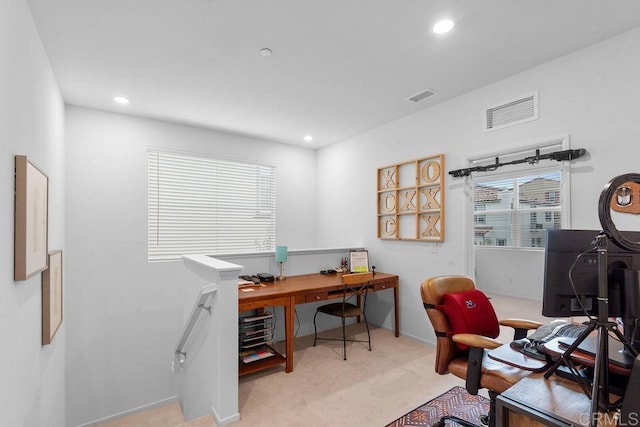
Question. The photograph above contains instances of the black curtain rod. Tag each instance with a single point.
(556, 155)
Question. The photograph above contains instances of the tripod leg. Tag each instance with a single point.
(567, 353)
(600, 389)
(628, 347)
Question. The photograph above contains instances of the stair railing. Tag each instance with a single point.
(200, 305)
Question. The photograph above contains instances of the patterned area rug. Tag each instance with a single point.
(454, 402)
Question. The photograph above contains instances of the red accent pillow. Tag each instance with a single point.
(470, 312)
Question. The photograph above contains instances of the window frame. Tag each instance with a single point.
(550, 144)
(521, 215)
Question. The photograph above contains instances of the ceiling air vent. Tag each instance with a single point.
(422, 95)
(512, 113)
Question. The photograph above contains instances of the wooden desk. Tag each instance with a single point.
(299, 290)
(537, 402)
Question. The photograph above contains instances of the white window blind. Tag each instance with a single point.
(200, 204)
(516, 210)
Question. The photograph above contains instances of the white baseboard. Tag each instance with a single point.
(131, 411)
(224, 421)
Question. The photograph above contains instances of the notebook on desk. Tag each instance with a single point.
(590, 346)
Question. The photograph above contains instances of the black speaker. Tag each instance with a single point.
(630, 411)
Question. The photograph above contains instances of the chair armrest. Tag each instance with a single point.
(478, 341)
(477, 346)
(520, 323)
(520, 326)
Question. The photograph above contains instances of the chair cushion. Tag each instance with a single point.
(470, 312)
(335, 309)
(432, 291)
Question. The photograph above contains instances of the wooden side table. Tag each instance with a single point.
(537, 402)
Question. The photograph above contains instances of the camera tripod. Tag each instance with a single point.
(599, 393)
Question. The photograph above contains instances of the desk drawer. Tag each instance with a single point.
(381, 286)
(316, 296)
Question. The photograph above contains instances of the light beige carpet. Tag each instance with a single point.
(369, 389)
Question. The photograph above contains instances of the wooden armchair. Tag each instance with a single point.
(472, 365)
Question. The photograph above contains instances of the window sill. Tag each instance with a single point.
(269, 254)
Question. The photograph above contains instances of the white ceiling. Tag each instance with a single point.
(339, 67)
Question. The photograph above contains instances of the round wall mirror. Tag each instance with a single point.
(618, 208)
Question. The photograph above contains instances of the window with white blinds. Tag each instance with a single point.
(516, 210)
(203, 205)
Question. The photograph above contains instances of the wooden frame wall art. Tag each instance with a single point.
(52, 297)
(411, 200)
(31, 217)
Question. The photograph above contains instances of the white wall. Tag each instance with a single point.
(124, 314)
(31, 124)
(591, 94)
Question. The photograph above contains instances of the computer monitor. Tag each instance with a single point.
(560, 299)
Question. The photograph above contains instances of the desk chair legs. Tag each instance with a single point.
(366, 324)
(354, 286)
(344, 340)
(344, 335)
(455, 420)
(485, 420)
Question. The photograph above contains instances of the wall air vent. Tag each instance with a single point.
(422, 95)
(512, 113)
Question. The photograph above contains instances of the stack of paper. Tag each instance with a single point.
(254, 355)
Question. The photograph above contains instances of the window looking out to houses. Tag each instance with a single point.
(516, 210)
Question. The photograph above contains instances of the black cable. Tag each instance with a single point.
(573, 286)
(295, 334)
(630, 341)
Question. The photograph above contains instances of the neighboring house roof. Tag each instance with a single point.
(538, 190)
(483, 193)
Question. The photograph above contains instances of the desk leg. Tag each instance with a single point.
(396, 313)
(289, 316)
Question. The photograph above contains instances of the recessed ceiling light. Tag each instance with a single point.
(266, 51)
(443, 26)
(308, 138)
(121, 100)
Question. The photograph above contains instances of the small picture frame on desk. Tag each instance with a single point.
(359, 261)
